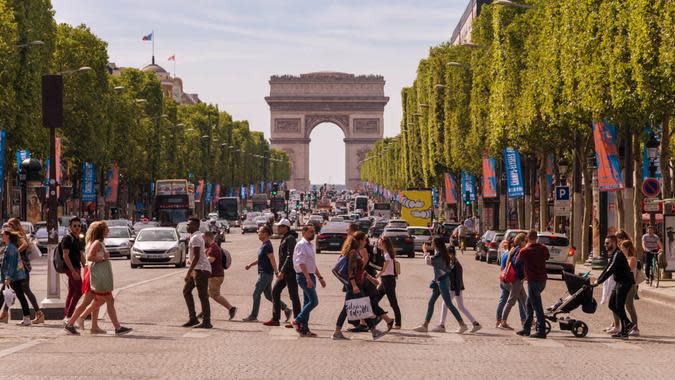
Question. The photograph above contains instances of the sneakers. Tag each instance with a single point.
(538, 335)
(122, 330)
(523, 333)
(204, 325)
(504, 326)
(25, 322)
(476, 327)
(620, 335)
(295, 325)
(462, 329)
(377, 334)
(421, 328)
(397, 327)
(613, 331)
(338, 336)
(70, 329)
(271, 322)
(97, 331)
(233, 312)
(39, 318)
(250, 319)
(307, 334)
(634, 332)
(191, 323)
(438, 329)
(608, 328)
(288, 314)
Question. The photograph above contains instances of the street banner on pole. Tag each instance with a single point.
(199, 191)
(112, 184)
(209, 193)
(550, 161)
(88, 182)
(467, 185)
(217, 192)
(20, 156)
(514, 174)
(607, 157)
(251, 190)
(2, 163)
(489, 178)
(450, 189)
(242, 192)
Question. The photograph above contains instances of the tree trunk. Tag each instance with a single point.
(588, 201)
(543, 196)
(665, 157)
(533, 201)
(637, 196)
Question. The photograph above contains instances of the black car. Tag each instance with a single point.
(401, 240)
(376, 229)
(332, 236)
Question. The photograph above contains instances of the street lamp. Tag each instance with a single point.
(439, 86)
(457, 64)
(29, 44)
(652, 154)
(509, 3)
(563, 166)
(80, 70)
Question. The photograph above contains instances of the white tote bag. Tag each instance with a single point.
(34, 252)
(9, 297)
(358, 309)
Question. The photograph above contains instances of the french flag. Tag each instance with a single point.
(148, 37)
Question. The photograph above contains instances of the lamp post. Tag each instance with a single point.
(600, 230)
(563, 166)
(652, 146)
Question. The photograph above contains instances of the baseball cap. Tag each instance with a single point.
(284, 222)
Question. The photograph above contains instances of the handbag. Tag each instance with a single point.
(9, 297)
(640, 276)
(358, 309)
(397, 267)
(101, 276)
(508, 274)
(34, 252)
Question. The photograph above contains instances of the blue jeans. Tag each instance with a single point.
(441, 288)
(310, 299)
(503, 296)
(263, 286)
(534, 306)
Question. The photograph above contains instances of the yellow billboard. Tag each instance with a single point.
(416, 207)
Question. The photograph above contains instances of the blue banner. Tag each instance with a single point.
(88, 182)
(2, 162)
(251, 190)
(467, 185)
(208, 195)
(242, 192)
(434, 196)
(20, 156)
(514, 174)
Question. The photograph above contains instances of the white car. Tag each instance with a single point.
(158, 246)
(420, 236)
(562, 254)
(117, 243)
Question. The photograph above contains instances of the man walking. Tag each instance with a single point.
(534, 257)
(197, 276)
(304, 264)
(73, 256)
(266, 271)
(215, 256)
(286, 277)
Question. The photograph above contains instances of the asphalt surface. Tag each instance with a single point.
(150, 301)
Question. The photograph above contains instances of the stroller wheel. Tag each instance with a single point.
(548, 327)
(580, 329)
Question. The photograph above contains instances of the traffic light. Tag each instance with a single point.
(275, 189)
(467, 198)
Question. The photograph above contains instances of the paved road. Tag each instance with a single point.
(150, 301)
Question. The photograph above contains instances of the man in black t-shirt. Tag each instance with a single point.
(73, 256)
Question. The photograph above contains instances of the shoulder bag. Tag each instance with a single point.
(508, 274)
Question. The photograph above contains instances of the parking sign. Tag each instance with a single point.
(562, 206)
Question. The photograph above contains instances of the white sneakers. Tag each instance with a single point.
(462, 329)
(476, 327)
(420, 328)
(25, 322)
(438, 329)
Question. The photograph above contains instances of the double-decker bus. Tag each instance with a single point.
(260, 202)
(229, 209)
(174, 201)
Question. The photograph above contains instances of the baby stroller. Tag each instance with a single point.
(580, 294)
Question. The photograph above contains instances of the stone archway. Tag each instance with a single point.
(299, 103)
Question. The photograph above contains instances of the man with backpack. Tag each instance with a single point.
(71, 251)
(220, 260)
(286, 275)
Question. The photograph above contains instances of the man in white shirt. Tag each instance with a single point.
(306, 272)
(197, 276)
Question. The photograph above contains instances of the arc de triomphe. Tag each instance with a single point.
(300, 103)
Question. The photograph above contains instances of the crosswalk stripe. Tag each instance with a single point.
(623, 346)
(448, 337)
(283, 334)
(196, 335)
(548, 343)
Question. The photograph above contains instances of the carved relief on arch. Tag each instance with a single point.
(287, 125)
(361, 155)
(341, 121)
(369, 125)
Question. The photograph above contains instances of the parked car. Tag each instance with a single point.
(41, 237)
(420, 236)
(158, 246)
(401, 240)
(332, 236)
(493, 248)
(117, 243)
(562, 254)
(482, 246)
(183, 233)
(376, 229)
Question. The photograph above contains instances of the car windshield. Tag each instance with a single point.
(117, 222)
(42, 232)
(419, 231)
(555, 241)
(157, 235)
(117, 233)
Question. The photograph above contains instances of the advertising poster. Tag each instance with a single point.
(489, 178)
(199, 191)
(514, 174)
(20, 156)
(467, 185)
(88, 182)
(112, 185)
(607, 157)
(450, 189)
(416, 207)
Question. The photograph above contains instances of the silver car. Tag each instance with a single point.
(158, 246)
(117, 243)
(420, 236)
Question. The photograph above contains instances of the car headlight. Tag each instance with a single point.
(173, 251)
(124, 245)
(136, 250)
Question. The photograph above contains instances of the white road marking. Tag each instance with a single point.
(548, 343)
(448, 337)
(623, 346)
(118, 290)
(283, 334)
(21, 347)
(196, 335)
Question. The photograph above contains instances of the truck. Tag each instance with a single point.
(361, 203)
(417, 207)
(229, 208)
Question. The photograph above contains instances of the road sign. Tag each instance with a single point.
(562, 205)
(651, 187)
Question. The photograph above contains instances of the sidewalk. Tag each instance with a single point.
(665, 293)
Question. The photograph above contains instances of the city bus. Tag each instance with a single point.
(229, 208)
(382, 209)
(174, 201)
(361, 203)
(260, 202)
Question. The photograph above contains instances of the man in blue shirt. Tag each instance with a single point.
(266, 272)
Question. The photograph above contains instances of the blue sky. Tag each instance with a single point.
(227, 50)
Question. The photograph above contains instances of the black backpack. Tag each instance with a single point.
(59, 265)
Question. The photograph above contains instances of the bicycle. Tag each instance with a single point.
(655, 274)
